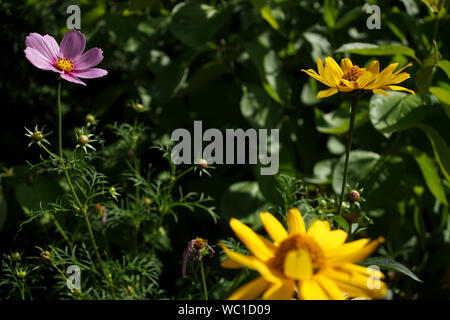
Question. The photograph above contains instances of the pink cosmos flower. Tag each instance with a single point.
(67, 59)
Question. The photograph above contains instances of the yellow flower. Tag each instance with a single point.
(315, 264)
(349, 77)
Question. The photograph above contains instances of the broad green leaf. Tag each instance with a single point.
(389, 264)
(396, 112)
(323, 171)
(269, 68)
(258, 109)
(266, 12)
(442, 94)
(445, 66)
(330, 12)
(440, 148)
(429, 172)
(424, 76)
(348, 17)
(321, 47)
(195, 24)
(341, 222)
(243, 201)
(360, 164)
(368, 49)
(338, 121)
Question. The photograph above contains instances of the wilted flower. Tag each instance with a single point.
(312, 264)
(101, 211)
(349, 77)
(197, 248)
(67, 59)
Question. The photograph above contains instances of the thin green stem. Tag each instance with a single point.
(353, 108)
(63, 233)
(72, 189)
(205, 291)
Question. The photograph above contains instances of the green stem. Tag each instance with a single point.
(353, 108)
(63, 233)
(205, 291)
(72, 189)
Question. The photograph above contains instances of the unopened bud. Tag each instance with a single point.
(90, 118)
(21, 274)
(130, 290)
(45, 256)
(83, 139)
(147, 201)
(354, 196)
(38, 136)
(203, 163)
(15, 256)
(140, 106)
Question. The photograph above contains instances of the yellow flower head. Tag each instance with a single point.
(315, 264)
(349, 77)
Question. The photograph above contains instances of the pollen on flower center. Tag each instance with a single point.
(295, 242)
(353, 74)
(64, 64)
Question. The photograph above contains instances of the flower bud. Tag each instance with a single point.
(147, 201)
(140, 106)
(83, 139)
(21, 273)
(37, 135)
(354, 196)
(90, 119)
(130, 290)
(203, 163)
(15, 256)
(46, 256)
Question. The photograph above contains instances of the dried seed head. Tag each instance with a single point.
(15, 256)
(46, 256)
(90, 119)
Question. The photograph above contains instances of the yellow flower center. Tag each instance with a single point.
(64, 64)
(199, 243)
(353, 74)
(295, 242)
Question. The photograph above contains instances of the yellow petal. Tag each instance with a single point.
(251, 240)
(353, 251)
(374, 67)
(326, 93)
(311, 290)
(313, 74)
(380, 91)
(365, 79)
(243, 260)
(329, 287)
(398, 88)
(332, 71)
(230, 264)
(333, 239)
(295, 222)
(273, 227)
(350, 267)
(401, 69)
(321, 72)
(250, 291)
(347, 83)
(346, 64)
(318, 230)
(356, 284)
(298, 265)
(280, 291)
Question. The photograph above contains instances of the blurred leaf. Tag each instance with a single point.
(194, 23)
(429, 172)
(348, 17)
(434, 5)
(440, 148)
(323, 171)
(258, 109)
(243, 201)
(442, 94)
(445, 66)
(266, 12)
(425, 75)
(389, 264)
(396, 112)
(338, 121)
(330, 12)
(269, 68)
(368, 49)
(3, 210)
(341, 222)
(321, 47)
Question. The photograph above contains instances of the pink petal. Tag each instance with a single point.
(89, 59)
(73, 44)
(72, 78)
(39, 60)
(46, 45)
(90, 73)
